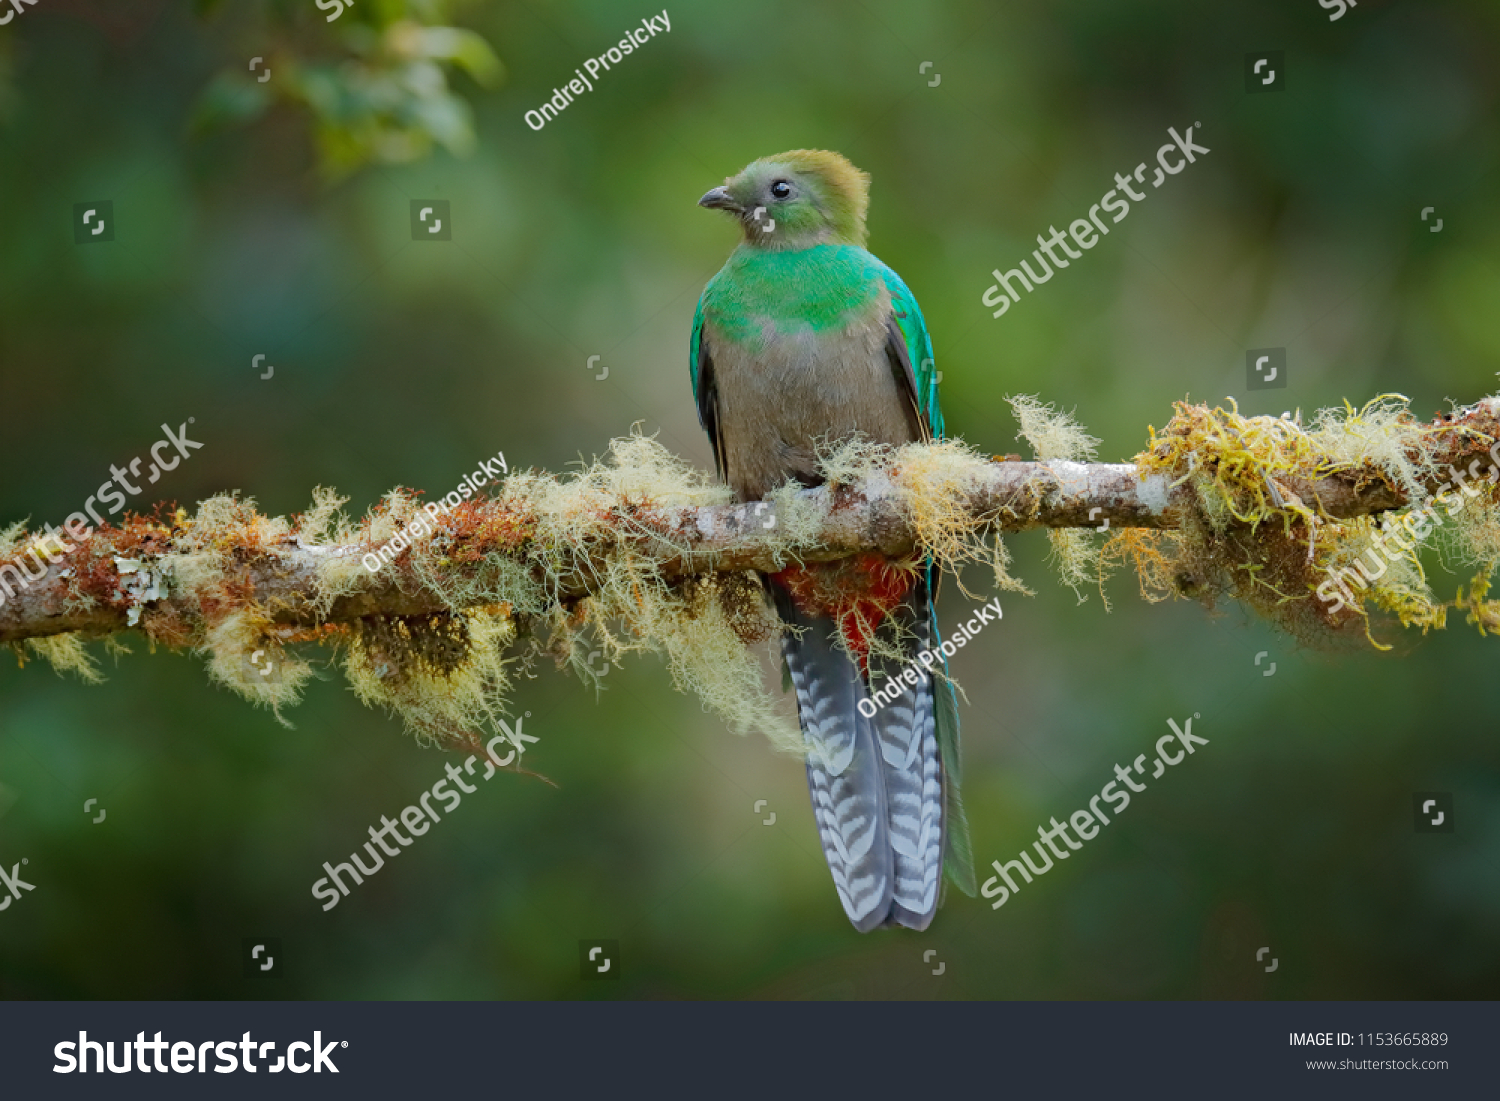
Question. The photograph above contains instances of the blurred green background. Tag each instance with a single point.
(274, 218)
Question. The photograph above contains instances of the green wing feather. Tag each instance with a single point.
(958, 861)
(705, 391)
(694, 367)
(918, 347)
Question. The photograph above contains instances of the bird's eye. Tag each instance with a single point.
(780, 189)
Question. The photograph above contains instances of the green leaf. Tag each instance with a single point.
(229, 100)
(467, 50)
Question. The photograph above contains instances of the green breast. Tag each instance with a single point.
(826, 287)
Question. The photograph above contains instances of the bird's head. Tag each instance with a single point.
(796, 200)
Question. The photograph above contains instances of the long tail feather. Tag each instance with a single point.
(877, 782)
(958, 859)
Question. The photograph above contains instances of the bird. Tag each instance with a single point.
(805, 339)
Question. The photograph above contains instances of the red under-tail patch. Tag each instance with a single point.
(856, 593)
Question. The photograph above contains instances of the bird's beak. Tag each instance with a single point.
(718, 199)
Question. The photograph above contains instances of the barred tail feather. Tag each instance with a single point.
(913, 775)
(843, 767)
(877, 784)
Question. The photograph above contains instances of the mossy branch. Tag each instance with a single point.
(86, 592)
(644, 553)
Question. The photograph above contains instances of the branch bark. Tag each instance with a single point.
(85, 591)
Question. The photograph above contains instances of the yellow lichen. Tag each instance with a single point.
(443, 673)
(11, 538)
(632, 608)
(245, 656)
(1056, 435)
(66, 654)
(933, 482)
(1250, 536)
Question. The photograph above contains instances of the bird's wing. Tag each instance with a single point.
(705, 390)
(910, 349)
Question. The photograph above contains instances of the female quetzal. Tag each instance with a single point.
(805, 337)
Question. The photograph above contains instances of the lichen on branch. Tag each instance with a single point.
(639, 552)
(1257, 524)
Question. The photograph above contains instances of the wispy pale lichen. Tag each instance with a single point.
(1056, 435)
(609, 560)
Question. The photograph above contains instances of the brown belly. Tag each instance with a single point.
(778, 405)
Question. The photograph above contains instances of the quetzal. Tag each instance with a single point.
(805, 337)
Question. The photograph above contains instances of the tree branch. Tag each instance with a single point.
(86, 591)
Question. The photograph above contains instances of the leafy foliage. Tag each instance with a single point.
(375, 81)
